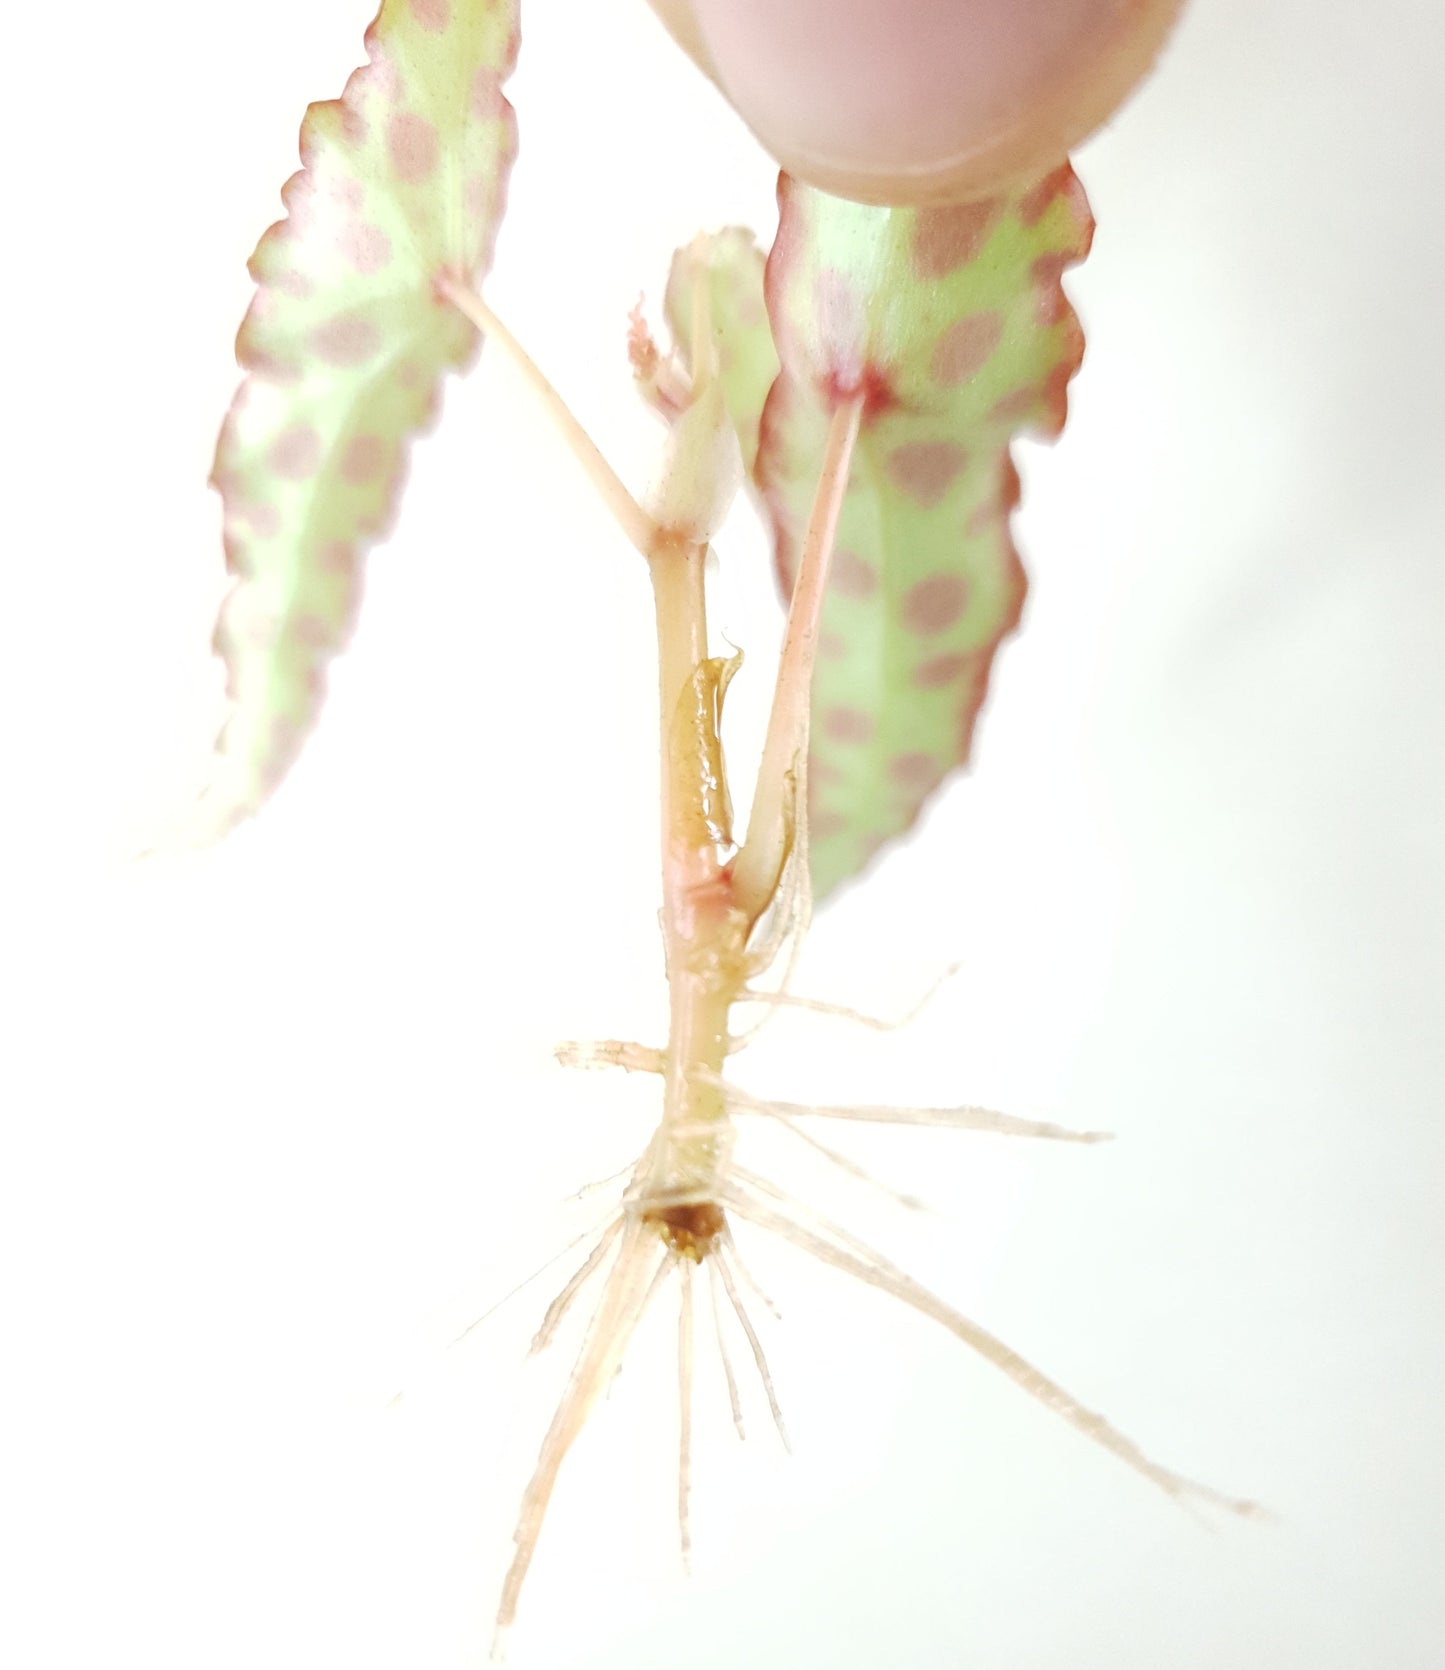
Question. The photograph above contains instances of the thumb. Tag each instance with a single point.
(921, 101)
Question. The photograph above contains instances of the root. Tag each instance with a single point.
(734, 1401)
(608, 1228)
(759, 1202)
(842, 1011)
(748, 1278)
(956, 1119)
(630, 1284)
(754, 1343)
(684, 1423)
(662, 1230)
(593, 1187)
(783, 1115)
(559, 1307)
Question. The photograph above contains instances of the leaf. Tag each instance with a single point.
(346, 344)
(953, 326)
(730, 266)
(710, 387)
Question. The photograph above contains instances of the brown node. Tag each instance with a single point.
(689, 1230)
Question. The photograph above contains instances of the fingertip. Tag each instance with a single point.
(921, 101)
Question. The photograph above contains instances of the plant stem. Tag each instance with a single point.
(709, 903)
(702, 932)
(760, 863)
(634, 521)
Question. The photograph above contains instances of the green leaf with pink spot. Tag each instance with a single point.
(953, 326)
(345, 346)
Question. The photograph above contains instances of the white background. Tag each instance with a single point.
(279, 1119)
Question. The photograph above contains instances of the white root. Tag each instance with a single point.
(559, 1307)
(630, 1284)
(755, 1345)
(956, 1119)
(843, 1011)
(684, 1422)
(734, 1401)
(759, 1202)
(783, 1115)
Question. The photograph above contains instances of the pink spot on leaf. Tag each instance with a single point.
(965, 348)
(296, 453)
(1034, 205)
(847, 724)
(313, 631)
(433, 15)
(262, 363)
(338, 556)
(488, 103)
(348, 193)
(293, 284)
(936, 604)
(264, 520)
(941, 671)
(852, 576)
(346, 340)
(1016, 407)
(915, 772)
(353, 125)
(365, 460)
(412, 145)
(925, 470)
(366, 247)
(944, 239)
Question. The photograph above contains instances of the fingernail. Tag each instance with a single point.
(916, 101)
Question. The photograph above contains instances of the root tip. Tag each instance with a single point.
(1256, 1511)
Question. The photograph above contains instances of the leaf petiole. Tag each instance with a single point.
(785, 749)
(630, 517)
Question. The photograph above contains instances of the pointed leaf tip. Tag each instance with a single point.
(345, 346)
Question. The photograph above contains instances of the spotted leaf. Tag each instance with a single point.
(952, 325)
(345, 348)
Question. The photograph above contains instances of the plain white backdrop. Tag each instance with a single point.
(278, 1120)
